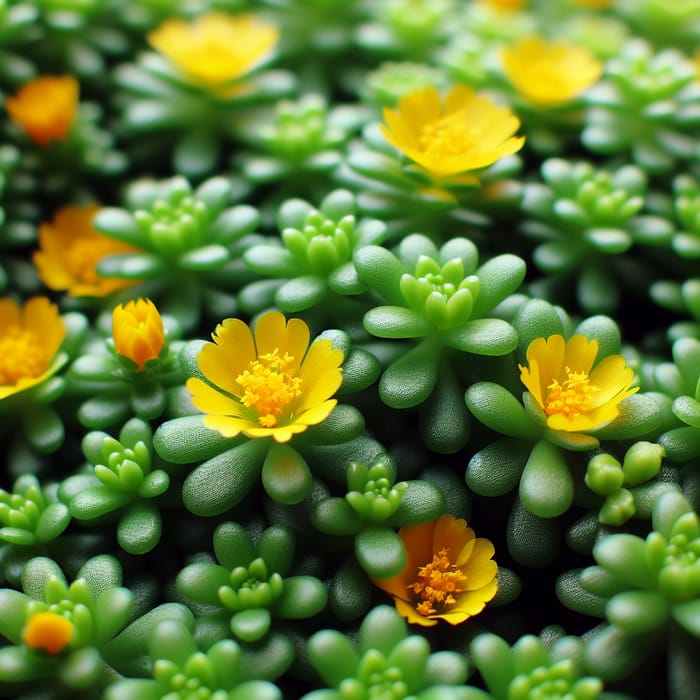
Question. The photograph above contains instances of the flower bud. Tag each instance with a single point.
(604, 475)
(48, 631)
(642, 462)
(138, 333)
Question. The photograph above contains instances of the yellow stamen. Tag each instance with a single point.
(270, 385)
(438, 583)
(21, 356)
(48, 631)
(448, 136)
(572, 397)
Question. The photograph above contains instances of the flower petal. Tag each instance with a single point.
(612, 377)
(580, 353)
(228, 426)
(316, 414)
(211, 401)
(41, 317)
(481, 568)
(453, 535)
(231, 353)
(274, 332)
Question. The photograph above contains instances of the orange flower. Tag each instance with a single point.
(45, 107)
(450, 574)
(137, 330)
(29, 341)
(48, 631)
(69, 251)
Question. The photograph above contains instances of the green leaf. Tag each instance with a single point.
(333, 656)
(687, 615)
(396, 322)
(615, 654)
(13, 615)
(271, 261)
(196, 153)
(640, 415)
(681, 444)
(251, 625)
(277, 548)
(411, 655)
(82, 669)
(201, 582)
(19, 664)
(380, 552)
(43, 428)
(498, 277)
(286, 476)
(186, 440)
(637, 612)
(302, 597)
(350, 591)
(96, 501)
(127, 650)
(495, 407)
(380, 270)
(335, 516)
(409, 380)
(446, 668)
(233, 545)
(496, 469)
(421, 502)
(624, 555)
(382, 629)
(301, 293)
(134, 689)
(112, 612)
(139, 529)
(491, 337)
(221, 482)
(546, 486)
(118, 223)
(444, 422)
(205, 258)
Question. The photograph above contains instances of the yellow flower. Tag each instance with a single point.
(48, 631)
(504, 5)
(270, 383)
(216, 47)
(137, 330)
(69, 251)
(45, 107)
(29, 341)
(463, 132)
(575, 396)
(450, 574)
(550, 73)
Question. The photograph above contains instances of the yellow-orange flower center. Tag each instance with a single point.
(48, 631)
(448, 136)
(269, 386)
(437, 584)
(21, 355)
(570, 398)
